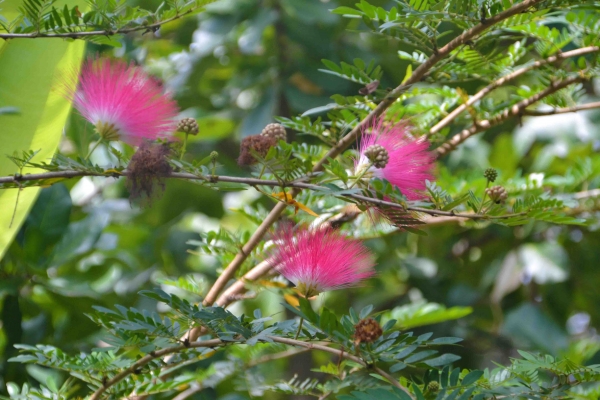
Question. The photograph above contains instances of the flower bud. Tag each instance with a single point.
(497, 194)
(378, 155)
(276, 131)
(367, 331)
(490, 174)
(433, 386)
(188, 125)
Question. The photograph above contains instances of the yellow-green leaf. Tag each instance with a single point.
(29, 72)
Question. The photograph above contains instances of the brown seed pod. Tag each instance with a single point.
(367, 331)
(258, 143)
(146, 169)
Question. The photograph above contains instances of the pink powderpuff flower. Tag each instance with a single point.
(388, 152)
(320, 260)
(122, 101)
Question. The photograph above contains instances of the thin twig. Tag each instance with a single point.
(148, 358)
(194, 388)
(84, 34)
(513, 75)
(564, 110)
(218, 343)
(515, 110)
(254, 182)
(341, 354)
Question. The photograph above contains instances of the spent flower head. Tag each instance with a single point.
(320, 260)
(409, 163)
(122, 101)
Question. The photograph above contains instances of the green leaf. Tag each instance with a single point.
(28, 71)
(442, 360)
(418, 314)
(471, 377)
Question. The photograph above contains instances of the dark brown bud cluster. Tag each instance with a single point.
(188, 125)
(276, 131)
(490, 174)
(378, 155)
(255, 143)
(367, 331)
(147, 167)
(497, 194)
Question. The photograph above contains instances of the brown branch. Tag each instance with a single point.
(341, 354)
(513, 75)
(295, 185)
(564, 110)
(218, 343)
(147, 359)
(347, 140)
(192, 390)
(515, 110)
(84, 34)
(587, 194)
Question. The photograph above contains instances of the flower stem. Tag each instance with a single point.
(184, 148)
(360, 175)
(92, 150)
(483, 198)
(299, 328)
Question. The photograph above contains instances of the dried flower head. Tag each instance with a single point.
(146, 169)
(410, 163)
(320, 260)
(257, 143)
(188, 125)
(497, 193)
(490, 174)
(122, 101)
(276, 131)
(367, 331)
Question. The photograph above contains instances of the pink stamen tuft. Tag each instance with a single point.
(410, 163)
(320, 260)
(121, 97)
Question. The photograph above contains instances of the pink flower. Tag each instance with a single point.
(320, 260)
(122, 101)
(388, 152)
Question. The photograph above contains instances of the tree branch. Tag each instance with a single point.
(565, 110)
(515, 110)
(341, 354)
(85, 34)
(296, 185)
(148, 358)
(513, 75)
(218, 343)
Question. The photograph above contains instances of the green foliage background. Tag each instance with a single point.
(237, 66)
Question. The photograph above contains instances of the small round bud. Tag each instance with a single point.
(276, 131)
(213, 155)
(378, 155)
(188, 125)
(367, 331)
(497, 194)
(433, 386)
(490, 174)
